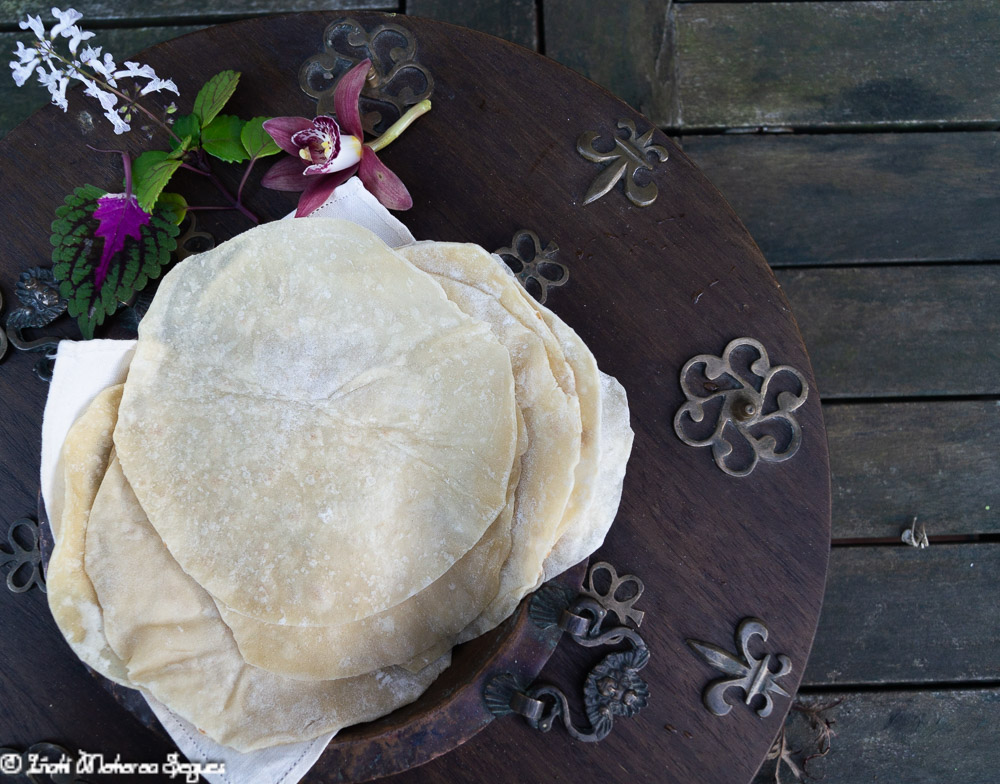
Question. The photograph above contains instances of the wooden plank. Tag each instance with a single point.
(835, 198)
(827, 64)
(624, 47)
(923, 737)
(892, 461)
(902, 615)
(899, 331)
(18, 103)
(515, 20)
(131, 11)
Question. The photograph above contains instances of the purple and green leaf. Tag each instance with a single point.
(77, 254)
(118, 217)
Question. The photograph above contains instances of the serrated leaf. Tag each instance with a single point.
(256, 141)
(173, 206)
(188, 125)
(76, 256)
(151, 172)
(221, 139)
(214, 95)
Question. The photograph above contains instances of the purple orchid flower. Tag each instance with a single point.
(327, 153)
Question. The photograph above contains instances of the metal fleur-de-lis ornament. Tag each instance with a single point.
(754, 676)
(626, 158)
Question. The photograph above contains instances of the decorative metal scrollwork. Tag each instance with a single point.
(534, 266)
(754, 676)
(745, 409)
(396, 81)
(41, 304)
(621, 607)
(56, 761)
(628, 156)
(193, 241)
(24, 556)
(612, 689)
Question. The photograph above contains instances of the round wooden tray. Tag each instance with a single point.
(649, 288)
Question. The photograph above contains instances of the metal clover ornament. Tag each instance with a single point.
(535, 267)
(627, 157)
(747, 411)
(395, 82)
(753, 676)
(24, 556)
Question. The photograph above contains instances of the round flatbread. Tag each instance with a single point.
(169, 635)
(72, 600)
(484, 289)
(315, 431)
(430, 620)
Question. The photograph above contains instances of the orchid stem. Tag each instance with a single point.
(400, 125)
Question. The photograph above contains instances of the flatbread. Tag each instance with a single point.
(428, 621)
(174, 644)
(71, 595)
(314, 430)
(591, 526)
(472, 279)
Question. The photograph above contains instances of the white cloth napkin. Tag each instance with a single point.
(82, 369)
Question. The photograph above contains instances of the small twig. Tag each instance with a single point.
(796, 760)
(915, 538)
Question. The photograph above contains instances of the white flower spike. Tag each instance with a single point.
(95, 69)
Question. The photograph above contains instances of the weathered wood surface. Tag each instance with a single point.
(917, 737)
(878, 332)
(17, 103)
(897, 614)
(513, 20)
(836, 65)
(850, 198)
(937, 461)
(624, 47)
(131, 11)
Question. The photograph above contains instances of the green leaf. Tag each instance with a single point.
(256, 141)
(173, 206)
(150, 174)
(76, 254)
(186, 126)
(221, 138)
(213, 96)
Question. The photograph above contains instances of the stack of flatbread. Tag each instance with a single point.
(330, 463)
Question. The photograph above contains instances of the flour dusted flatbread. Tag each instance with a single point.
(430, 620)
(72, 600)
(593, 522)
(169, 634)
(314, 430)
(473, 280)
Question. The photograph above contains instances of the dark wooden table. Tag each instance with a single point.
(858, 143)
